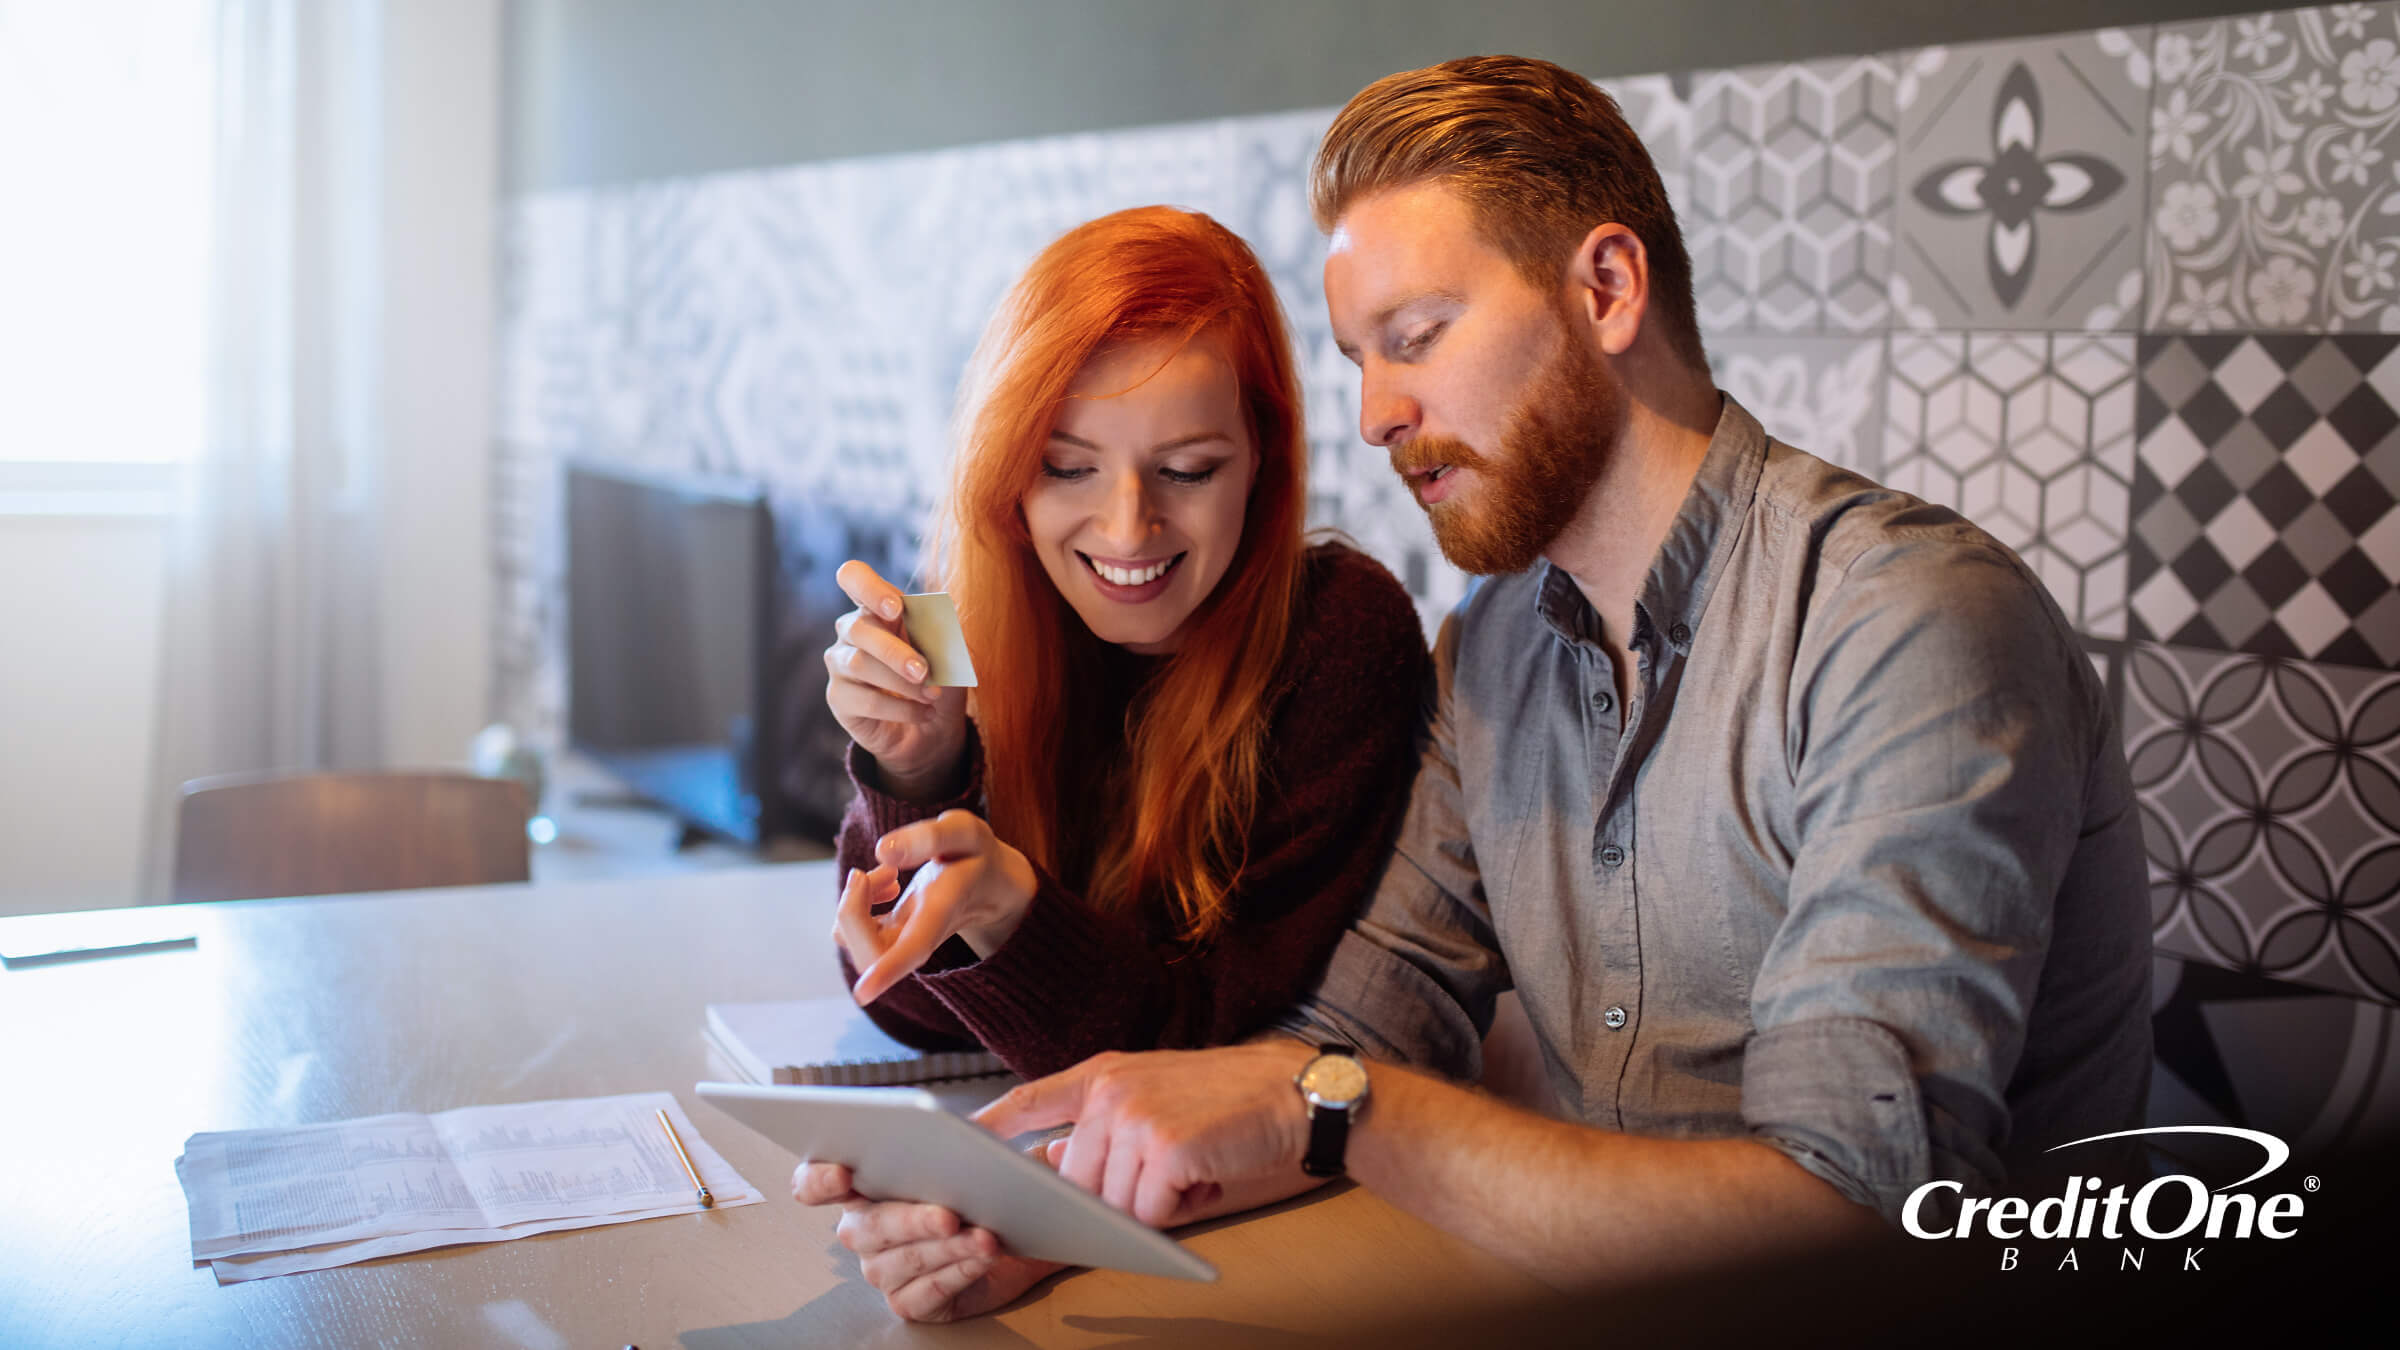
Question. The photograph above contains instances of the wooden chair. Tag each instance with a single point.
(250, 836)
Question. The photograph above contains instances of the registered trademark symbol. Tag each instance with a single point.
(2312, 1183)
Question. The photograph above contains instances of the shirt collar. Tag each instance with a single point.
(1706, 527)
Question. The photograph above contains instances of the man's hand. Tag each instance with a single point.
(928, 1266)
(1162, 1134)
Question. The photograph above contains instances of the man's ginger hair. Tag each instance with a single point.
(1541, 155)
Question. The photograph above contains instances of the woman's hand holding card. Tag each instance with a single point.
(879, 688)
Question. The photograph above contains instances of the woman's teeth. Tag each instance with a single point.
(1130, 576)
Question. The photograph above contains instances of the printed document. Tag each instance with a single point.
(270, 1202)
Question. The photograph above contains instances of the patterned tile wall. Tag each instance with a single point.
(2117, 296)
(1790, 182)
(2029, 435)
(2273, 155)
(2026, 157)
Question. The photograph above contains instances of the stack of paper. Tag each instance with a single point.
(828, 1042)
(273, 1202)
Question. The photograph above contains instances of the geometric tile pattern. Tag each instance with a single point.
(2273, 145)
(2270, 795)
(1789, 217)
(1822, 394)
(1897, 260)
(2264, 498)
(2026, 157)
(2029, 435)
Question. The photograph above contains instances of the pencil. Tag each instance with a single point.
(707, 1201)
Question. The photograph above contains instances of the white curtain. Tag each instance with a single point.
(271, 641)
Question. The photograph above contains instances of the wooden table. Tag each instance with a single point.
(293, 1011)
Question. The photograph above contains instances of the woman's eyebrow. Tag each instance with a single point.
(1180, 442)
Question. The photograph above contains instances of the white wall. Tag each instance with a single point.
(441, 188)
(79, 611)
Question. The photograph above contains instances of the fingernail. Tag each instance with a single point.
(891, 609)
(916, 670)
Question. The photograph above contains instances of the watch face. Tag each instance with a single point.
(1335, 1080)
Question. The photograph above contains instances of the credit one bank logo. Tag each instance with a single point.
(2170, 1208)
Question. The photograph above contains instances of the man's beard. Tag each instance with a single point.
(1552, 452)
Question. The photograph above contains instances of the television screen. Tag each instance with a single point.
(669, 592)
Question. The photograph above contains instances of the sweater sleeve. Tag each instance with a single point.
(906, 1012)
(1072, 982)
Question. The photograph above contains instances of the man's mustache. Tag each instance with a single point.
(1424, 454)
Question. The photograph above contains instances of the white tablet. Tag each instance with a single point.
(900, 1143)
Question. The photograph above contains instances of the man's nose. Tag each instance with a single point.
(1386, 415)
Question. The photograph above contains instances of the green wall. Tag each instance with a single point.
(608, 91)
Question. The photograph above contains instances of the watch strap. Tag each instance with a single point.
(1328, 1139)
(1328, 1129)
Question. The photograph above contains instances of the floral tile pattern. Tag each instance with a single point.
(1822, 394)
(2270, 795)
(1789, 213)
(2027, 157)
(2029, 435)
(2275, 172)
(2264, 499)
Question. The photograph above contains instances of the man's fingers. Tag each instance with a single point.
(1040, 1104)
(895, 1266)
(868, 590)
(934, 1297)
(1086, 1160)
(1157, 1200)
(1122, 1172)
(870, 1228)
(816, 1183)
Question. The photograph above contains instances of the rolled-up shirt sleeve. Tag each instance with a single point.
(1938, 745)
(1416, 977)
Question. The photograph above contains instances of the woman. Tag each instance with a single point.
(1193, 734)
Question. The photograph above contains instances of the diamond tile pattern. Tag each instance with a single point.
(2029, 435)
(2264, 496)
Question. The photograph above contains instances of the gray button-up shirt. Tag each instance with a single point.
(1857, 872)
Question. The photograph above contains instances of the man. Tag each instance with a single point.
(1787, 803)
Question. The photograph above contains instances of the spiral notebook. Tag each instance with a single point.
(828, 1042)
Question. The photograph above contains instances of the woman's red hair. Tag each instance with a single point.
(1173, 817)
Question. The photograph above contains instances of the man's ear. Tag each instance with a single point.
(1608, 283)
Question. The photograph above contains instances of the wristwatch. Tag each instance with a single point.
(1334, 1085)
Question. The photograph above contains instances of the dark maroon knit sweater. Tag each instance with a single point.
(1070, 983)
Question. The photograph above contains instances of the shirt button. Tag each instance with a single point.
(1615, 1017)
(1603, 701)
(1680, 634)
(1612, 856)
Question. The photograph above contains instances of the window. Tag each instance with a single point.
(106, 124)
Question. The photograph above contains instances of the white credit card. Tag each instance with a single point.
(931, 623)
